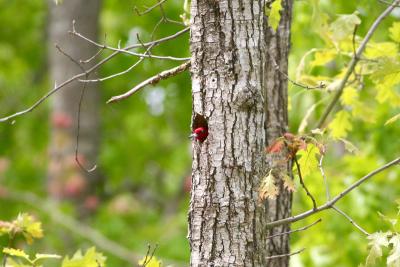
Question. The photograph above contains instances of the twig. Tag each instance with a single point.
(77, 227)
(276, 66)
(80, 75)
(353, 63)
(149, 9)
(10, 242)
(124, 50)
(152, 80)
(303, 184)
(118, 73)
(328, 196)
(147, 259)
(79, 112)
(332, 202)
(285, 255)
(327, 191)
(350, 219)
(296, 230)
(387, 3)
(92, 57)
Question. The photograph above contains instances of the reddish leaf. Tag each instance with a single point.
(276, 147)
(289, 136)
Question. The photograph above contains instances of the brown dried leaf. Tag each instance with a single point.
(289, 184)
(268, 189)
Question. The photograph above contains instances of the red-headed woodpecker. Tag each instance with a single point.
(200, 134)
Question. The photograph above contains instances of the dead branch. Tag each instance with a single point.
(296, 230)
(83, 74)
(159, 3)
(285, 255)
(152, 80)
(350, 220)
(123, 50)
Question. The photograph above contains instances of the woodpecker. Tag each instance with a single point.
(200, 134)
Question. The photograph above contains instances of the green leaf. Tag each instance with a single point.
(340, 125)
(320, 22)
(349, 96)
(308, 160)
(30, 228)
(274, 14)
(90, 259)
(385, 89)
(377, 241)
(5, 227)
(16, 253)
(381, 49)
(150, 262)
(322, 57)
(395, 32)
(344, 26)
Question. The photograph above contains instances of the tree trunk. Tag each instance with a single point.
(66, 178)
(244, 99)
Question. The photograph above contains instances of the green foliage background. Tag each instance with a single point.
(145, 156)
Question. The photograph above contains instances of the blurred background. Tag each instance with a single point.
(139, 192)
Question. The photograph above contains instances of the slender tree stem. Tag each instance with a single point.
(354, 61)
(296, 230)
(329, 204)
(304, 185)
(285, 255)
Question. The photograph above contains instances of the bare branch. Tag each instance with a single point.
(332, 202)
(303, 184)
(276, 66)
(124, 50)
(350, 219)
(152, 80)
(387, 2)
(285, 255)
(92, 57)
(296, 230)
(328, 197)
(118, 73)
(149, 9)
(147, 259)
(79, 112)
(327, 191)
(81, 75)
(353, 63)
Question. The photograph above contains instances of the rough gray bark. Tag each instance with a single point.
(276, 122)
(237, 88)
(66, 179)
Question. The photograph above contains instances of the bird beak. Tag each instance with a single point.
(192, 136)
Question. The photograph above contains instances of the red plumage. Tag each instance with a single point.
(199, 128)
(200, 134)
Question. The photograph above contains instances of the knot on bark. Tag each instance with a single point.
(247, 98)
